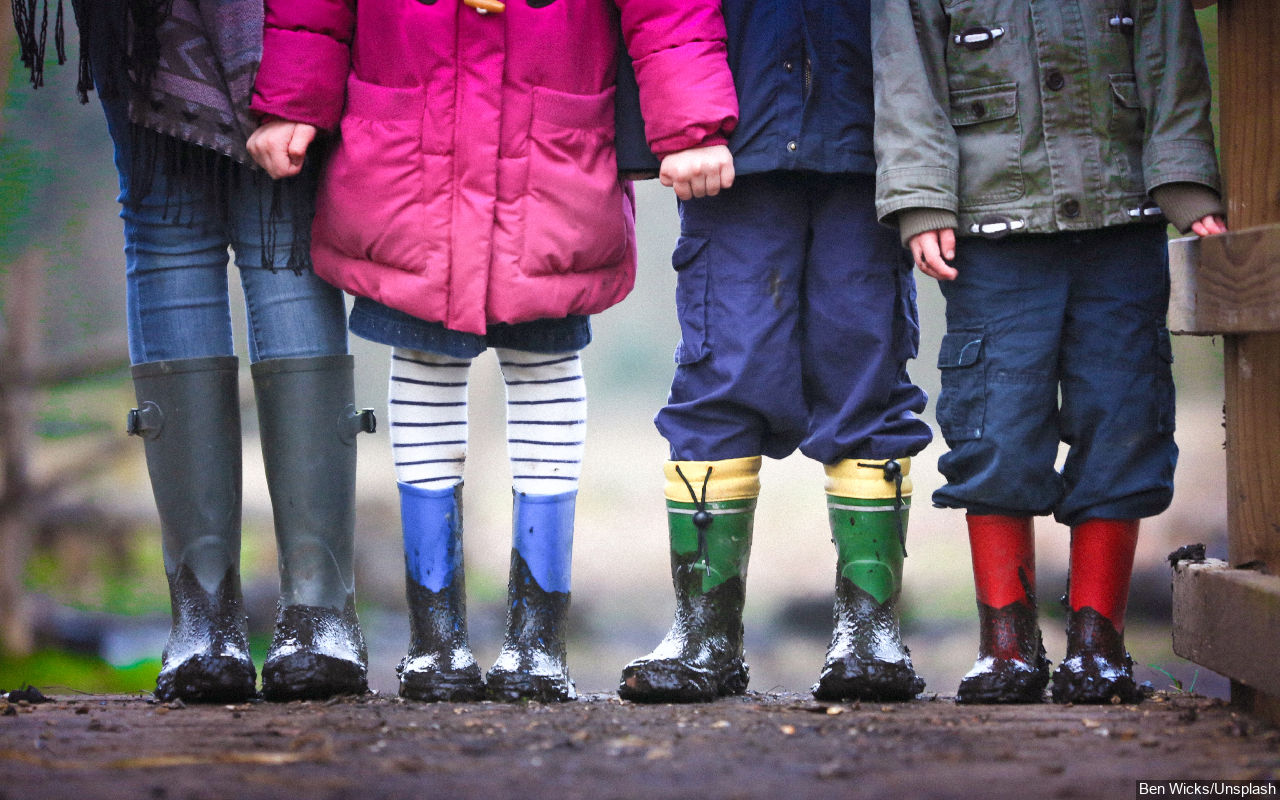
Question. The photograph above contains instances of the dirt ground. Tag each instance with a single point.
(754, 746)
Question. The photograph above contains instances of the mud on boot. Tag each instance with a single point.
(700, 659)
(868, 502)
(1097, 669)
(710, 519)
(309, 423)
(1012, 666)
(439, 666)
(533, 662)
(316, 652)
(207, 657)
(867, 659)
(188, 416)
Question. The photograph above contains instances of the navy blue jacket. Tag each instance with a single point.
(803, 74)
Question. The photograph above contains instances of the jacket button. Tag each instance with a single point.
(978, 108)
(788, 66)
(1054, 80)
(1071, 208)
(791, 145)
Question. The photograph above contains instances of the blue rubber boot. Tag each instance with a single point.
(439, 666)
(532, 664)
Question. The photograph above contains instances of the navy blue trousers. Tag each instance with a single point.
(1059, 338)
(797, 318)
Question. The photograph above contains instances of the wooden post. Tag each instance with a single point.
(22, 290)
(1249, 70)
(1249, 75)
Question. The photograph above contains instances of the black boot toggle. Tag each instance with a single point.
(702, 519)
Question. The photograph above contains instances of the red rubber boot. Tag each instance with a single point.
(1097, 667)
(1011, 665)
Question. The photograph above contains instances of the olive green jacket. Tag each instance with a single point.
(1038, 116)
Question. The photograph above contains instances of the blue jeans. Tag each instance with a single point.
(797, 318)
(176, 239)
(1055, 338)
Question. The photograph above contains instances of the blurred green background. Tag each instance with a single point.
(92, 580)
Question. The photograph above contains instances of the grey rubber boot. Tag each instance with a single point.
(188, 416)
(308, 422)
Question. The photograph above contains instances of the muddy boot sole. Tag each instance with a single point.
(1091, 687)
(514, 687)
(312, 676)
(208, 678)
(675, 682)
(442, 687)
(875, 681)
(1007, 683)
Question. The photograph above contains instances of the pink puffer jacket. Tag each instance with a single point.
(474, 178)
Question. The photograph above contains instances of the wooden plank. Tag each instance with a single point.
(1226, 619)
(1226, 284)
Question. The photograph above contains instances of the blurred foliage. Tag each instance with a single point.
(101, 581)
(55, 672)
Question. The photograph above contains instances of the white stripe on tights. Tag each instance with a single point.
(546, 420)
(427, 408)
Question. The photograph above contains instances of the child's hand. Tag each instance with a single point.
(280, 146)
(931, 251)
(1209, 225)
(698, 171)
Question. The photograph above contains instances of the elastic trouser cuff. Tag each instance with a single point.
(866, 478)
(730, 479)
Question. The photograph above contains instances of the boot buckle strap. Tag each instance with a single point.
(146, 420)
(355, 422)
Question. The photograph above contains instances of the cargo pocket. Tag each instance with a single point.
(989, 136)
(1166, 411)
(962, 405)
(690, 261)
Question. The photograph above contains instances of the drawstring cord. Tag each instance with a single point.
(893, 472)
(702, 519)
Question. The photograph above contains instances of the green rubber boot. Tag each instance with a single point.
(710, 515)
(309, 422)
(188, 416)
(867, 503)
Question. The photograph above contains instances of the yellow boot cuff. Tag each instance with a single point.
(863, 478)
(731, 479)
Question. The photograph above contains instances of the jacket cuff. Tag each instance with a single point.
(707, 111)
(1184, 203)
(709, 141)
(913, 221)
(278, 90)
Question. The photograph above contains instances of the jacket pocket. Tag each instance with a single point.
(989, 136)
(962, 404)
(1125, 131)
(575, 213)
(372, 202)
(690, 261)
